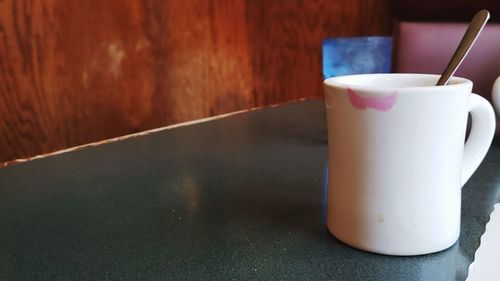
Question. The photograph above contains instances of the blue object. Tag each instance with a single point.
(356, 55)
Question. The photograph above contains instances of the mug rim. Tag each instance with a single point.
(339, 82)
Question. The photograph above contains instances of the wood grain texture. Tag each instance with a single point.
(73, 72)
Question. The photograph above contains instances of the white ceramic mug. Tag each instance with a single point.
(397, 159)
(495, 94)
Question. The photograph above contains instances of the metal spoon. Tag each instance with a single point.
(475, 26)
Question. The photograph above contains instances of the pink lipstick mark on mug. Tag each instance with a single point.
(384, 103)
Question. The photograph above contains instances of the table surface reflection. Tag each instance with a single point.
(237, 198)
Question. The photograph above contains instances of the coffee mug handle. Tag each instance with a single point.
(481, 135)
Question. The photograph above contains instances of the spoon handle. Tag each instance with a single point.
(476, 25)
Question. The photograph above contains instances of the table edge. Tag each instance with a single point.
(147, 132)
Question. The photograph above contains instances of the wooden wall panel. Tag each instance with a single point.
(73, 72)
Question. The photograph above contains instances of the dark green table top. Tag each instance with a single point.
(238, 198)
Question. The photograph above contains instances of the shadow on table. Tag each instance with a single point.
(277, 215)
